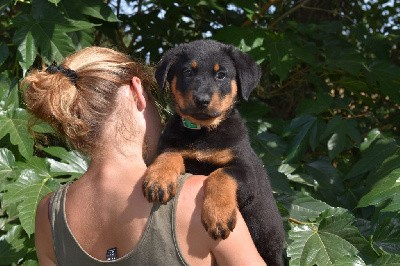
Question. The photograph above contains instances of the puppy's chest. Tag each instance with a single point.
(205, 161)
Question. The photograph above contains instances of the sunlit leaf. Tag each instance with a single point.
(27, 191)
(305, 208)
(324, 243)
(7, 161)
(15, 124)
(386, 188)
(71, 163)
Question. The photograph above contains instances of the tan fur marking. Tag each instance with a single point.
(217, 157)
(219, 208)
(194, 64)
(215, 102)
(216, 67)
(229, 99)
(180, 100)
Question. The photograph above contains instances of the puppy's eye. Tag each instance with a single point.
(187, 73)
(220, 75)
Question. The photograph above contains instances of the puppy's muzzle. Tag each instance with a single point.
(202, 101)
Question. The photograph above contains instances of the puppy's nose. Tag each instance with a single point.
(202, 101)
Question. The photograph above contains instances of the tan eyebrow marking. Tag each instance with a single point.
(216, 67)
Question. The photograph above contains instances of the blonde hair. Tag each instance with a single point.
(78, 108)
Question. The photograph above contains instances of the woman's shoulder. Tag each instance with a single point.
(43, 239)
(191, 195)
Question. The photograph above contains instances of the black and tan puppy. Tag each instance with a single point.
(206, 135)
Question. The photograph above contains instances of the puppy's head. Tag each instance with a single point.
(205, 78)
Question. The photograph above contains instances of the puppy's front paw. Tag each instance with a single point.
(219, 209)
(160, 186)
(161, 178)
(219, 221)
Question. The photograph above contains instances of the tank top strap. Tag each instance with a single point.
(181, 181)
(161, 237)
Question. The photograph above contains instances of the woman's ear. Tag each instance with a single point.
(137, 90)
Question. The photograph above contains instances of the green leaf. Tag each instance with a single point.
(45, 34)
(304, 126)
(388, 260)
(373, 135)
(4, 4)
(304, 208)
(321, 103)
(349, 261)
(72, 163)
(3, 53)
(352, 84)
(30, 263)
(92, 8)
(8, 93)
(327, 177)
(27, 50)
(373, 157)
(38, 164)
(280, 58)
(12, 245)
(345, 59)
(16, 125)
(386, 75)
(386, 188)
(324, 244)
(7, 161)
(386, 235)
(27, 191)
(55, 1)
(343, 132)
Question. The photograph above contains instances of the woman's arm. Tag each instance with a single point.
(43, 239)
(195, 243)
(238, 248)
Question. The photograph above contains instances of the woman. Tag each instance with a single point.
(100, 101)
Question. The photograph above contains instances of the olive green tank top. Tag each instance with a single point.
(157, 246)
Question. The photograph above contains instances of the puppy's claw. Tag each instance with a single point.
(155, 192)
(232, 223)
(218, 227)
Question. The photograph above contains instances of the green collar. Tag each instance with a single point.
(186, 123)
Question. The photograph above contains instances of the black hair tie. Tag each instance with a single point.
(69, 73)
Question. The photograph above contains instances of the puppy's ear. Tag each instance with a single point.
(248, 72)
(163, 68)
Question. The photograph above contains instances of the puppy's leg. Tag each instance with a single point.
(161, 178)
(219, 210)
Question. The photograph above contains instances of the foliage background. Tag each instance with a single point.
(324, 119)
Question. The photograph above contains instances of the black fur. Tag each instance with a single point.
(255, 197)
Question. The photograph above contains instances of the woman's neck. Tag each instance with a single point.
(113, 166)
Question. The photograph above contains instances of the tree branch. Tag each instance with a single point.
(287, 13)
